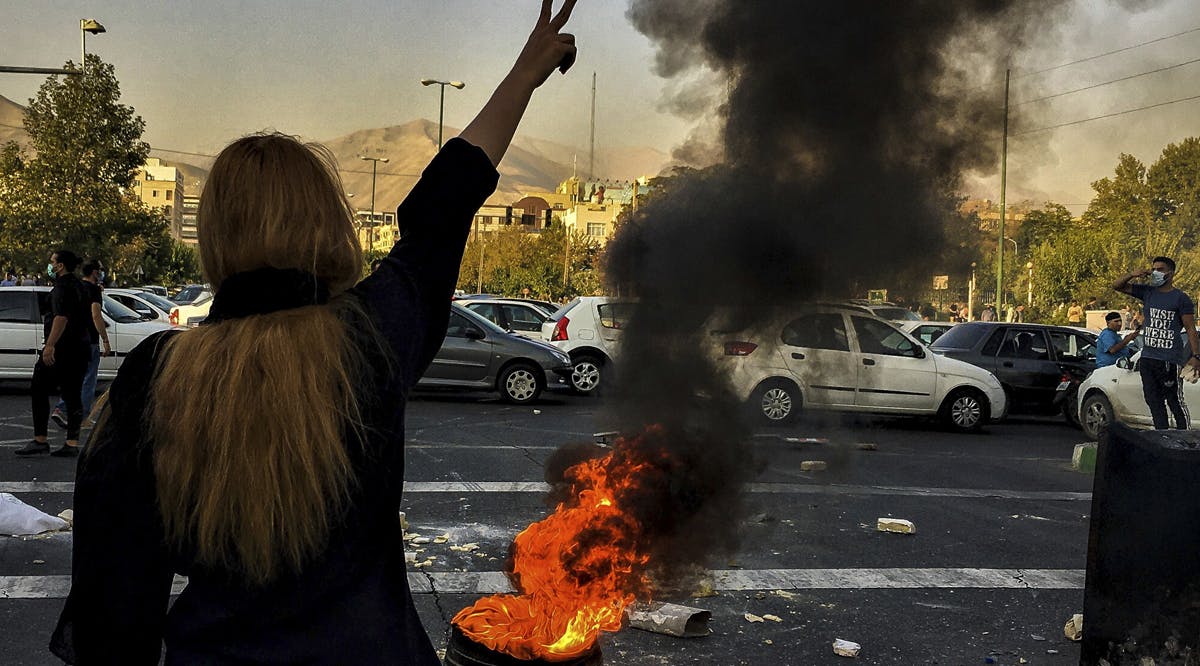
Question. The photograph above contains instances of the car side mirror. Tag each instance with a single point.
(919, 351)
(1123, 363)
(473, 334)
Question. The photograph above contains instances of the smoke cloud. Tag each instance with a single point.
(843, 129)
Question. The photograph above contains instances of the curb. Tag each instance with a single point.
(1084, 458)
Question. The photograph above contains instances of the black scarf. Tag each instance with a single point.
(266, 290)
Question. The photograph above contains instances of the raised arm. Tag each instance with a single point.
(1122, 283)
(547, 49)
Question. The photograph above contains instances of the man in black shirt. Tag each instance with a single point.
(64, 359)
(93, 277)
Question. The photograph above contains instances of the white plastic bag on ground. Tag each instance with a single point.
(18, 518)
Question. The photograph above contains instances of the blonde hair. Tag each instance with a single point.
(249, 416)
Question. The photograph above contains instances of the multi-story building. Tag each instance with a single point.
(161, 186)
(376, 233)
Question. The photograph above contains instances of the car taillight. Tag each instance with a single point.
(1066, 377)
(560, 330)
(739, 348)
(174, 316)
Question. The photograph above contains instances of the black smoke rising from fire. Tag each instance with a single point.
(844, 128)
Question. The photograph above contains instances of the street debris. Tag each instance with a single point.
(67, 515)
(704, 588)
(537, 411)
(442, 539)
(19, 519)
(813, 465)
(465, 548)
(606, 438)
(783, 593)
(806, 440)
(403, 521)
(751, 617)
(867, 446)
(1073, 629)
(845, 648)
(669, 619)
(773, 618)
(896, 525)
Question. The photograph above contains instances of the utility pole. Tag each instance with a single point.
(592, 146)
(1003, 184)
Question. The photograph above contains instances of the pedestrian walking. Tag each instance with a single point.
(287, 527)
(64, 358)
(988, 314)
(1075, 314)
(93, 276)
(1110, 346)
(1165, 311)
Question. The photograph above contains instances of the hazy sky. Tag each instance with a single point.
(203, 73)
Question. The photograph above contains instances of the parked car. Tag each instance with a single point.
(191, 294)
(22, 331)
(1114, 393)
(191, 314)
(478, 355)
(520, 317)
(589, 330)
(154, 289)
(926, 331)
(843, 359)
(889, 311)
(150, 306)
(1040, 366)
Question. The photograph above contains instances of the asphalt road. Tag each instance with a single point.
(994, 570)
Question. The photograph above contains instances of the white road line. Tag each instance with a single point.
(495, 582)
(767, 488)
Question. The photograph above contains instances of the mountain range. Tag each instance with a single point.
(529, 165)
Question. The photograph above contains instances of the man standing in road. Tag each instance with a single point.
(64, 359)
(1110, 346)
(93, 276)
(1165, 311)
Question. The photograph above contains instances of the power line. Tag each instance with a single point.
(1108, 53)
(1107, 115)
(1097, 85)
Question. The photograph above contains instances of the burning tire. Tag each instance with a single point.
(520, 383)
(775, 402)
(965, 410)
(587, 372)
(1095, 415)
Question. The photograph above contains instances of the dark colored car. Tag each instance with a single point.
(480, 356)
(519, 317)
(1038, 365)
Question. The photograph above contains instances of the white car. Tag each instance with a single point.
(149, 305)
(1114, 392)
(843, 359)
(190, 315)
(520, 317)
(589, 330)
(22, 331)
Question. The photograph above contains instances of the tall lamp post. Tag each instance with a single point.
(971, 295)
(85, 26)
(374, 165)
(1029, 288)
(442, 100)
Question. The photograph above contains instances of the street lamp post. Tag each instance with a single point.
(1029, 287)
(971, 295)
(85, 26)
(374, 165)
(442, 100)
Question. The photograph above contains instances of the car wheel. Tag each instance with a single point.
(1095, 415)
(965, 410)
(587, 371)
(520, 384)
(775, 402)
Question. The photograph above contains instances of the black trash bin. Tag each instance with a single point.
(1142, 596)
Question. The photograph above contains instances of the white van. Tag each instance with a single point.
(22, 331)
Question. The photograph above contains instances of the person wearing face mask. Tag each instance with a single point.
(93, 278)
(64, 359)
(1165, 311)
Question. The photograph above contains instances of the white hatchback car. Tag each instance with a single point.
(589, 330)
(22, 331)
(1114, 392)
(832, 358)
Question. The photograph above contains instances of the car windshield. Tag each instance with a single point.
(118, 312)
(478, 320)
(156, 300)
(963, 336)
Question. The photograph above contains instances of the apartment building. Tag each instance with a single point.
(161, 186)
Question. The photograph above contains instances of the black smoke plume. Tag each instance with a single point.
(844, 128)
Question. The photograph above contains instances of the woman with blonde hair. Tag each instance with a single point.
(286, 526)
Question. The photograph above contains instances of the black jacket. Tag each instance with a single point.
(353, 604)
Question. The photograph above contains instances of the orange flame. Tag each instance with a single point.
(577, 569)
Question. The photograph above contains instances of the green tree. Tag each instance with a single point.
(515, 258)
(75, 189)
